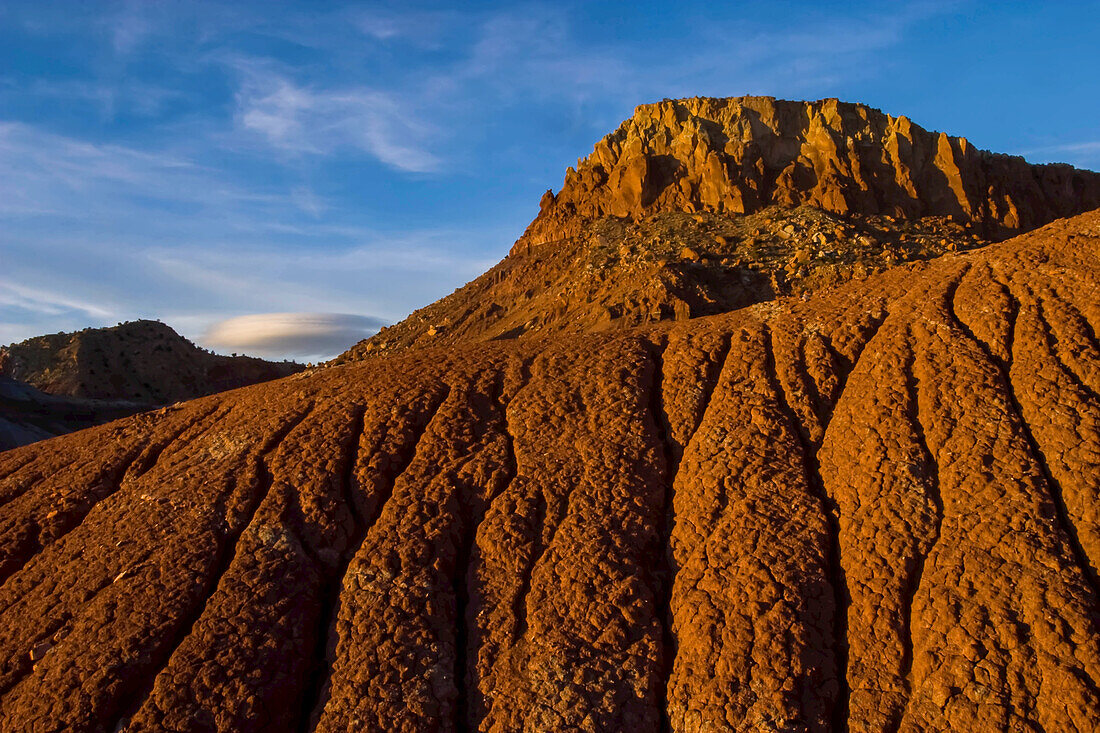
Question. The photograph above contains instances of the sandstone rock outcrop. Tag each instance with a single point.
(742, 154)
(874, 510)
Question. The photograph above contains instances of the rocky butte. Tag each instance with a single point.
(872, 507)
(739, 155)
(701, 206)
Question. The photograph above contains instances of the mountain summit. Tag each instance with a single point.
(700, 206)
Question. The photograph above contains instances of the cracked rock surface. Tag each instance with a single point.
(874, 510)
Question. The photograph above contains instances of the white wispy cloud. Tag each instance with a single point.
(1087, 147)
(130, 27)
(1081, 154)
(308, 120)
(48, 302)
(47, 173)
(423, 28)
(39, 170)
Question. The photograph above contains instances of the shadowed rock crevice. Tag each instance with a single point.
(37, 473)
(870, 327)
(13, 465)
(930, 473)
(460, 594)
(204, 420)
(1081, 322)
(364, 522)
(714, 369)
(31, 474)
(1076, 341)
(477, 637)
(822, 408)
(1051, 340)
(1010, 326)
(473, 509)
(325, 639)
(1044, 374)
(831, 513)
(519, 606)
(664, 568)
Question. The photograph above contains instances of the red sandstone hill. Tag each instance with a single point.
(700, 206)
(872, 510)
(562, 500)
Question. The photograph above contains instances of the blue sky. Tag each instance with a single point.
(201, 162)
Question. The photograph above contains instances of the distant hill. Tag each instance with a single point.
(55, 384)
(143, 361)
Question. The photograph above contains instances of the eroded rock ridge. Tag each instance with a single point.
(870, 511)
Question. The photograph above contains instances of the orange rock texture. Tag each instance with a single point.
(872, 510)
(739, 155)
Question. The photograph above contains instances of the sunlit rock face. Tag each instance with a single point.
(741, 154)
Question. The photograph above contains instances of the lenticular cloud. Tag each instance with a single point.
(295, 335)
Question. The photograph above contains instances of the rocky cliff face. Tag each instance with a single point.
(742, 154)
(872, 510)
